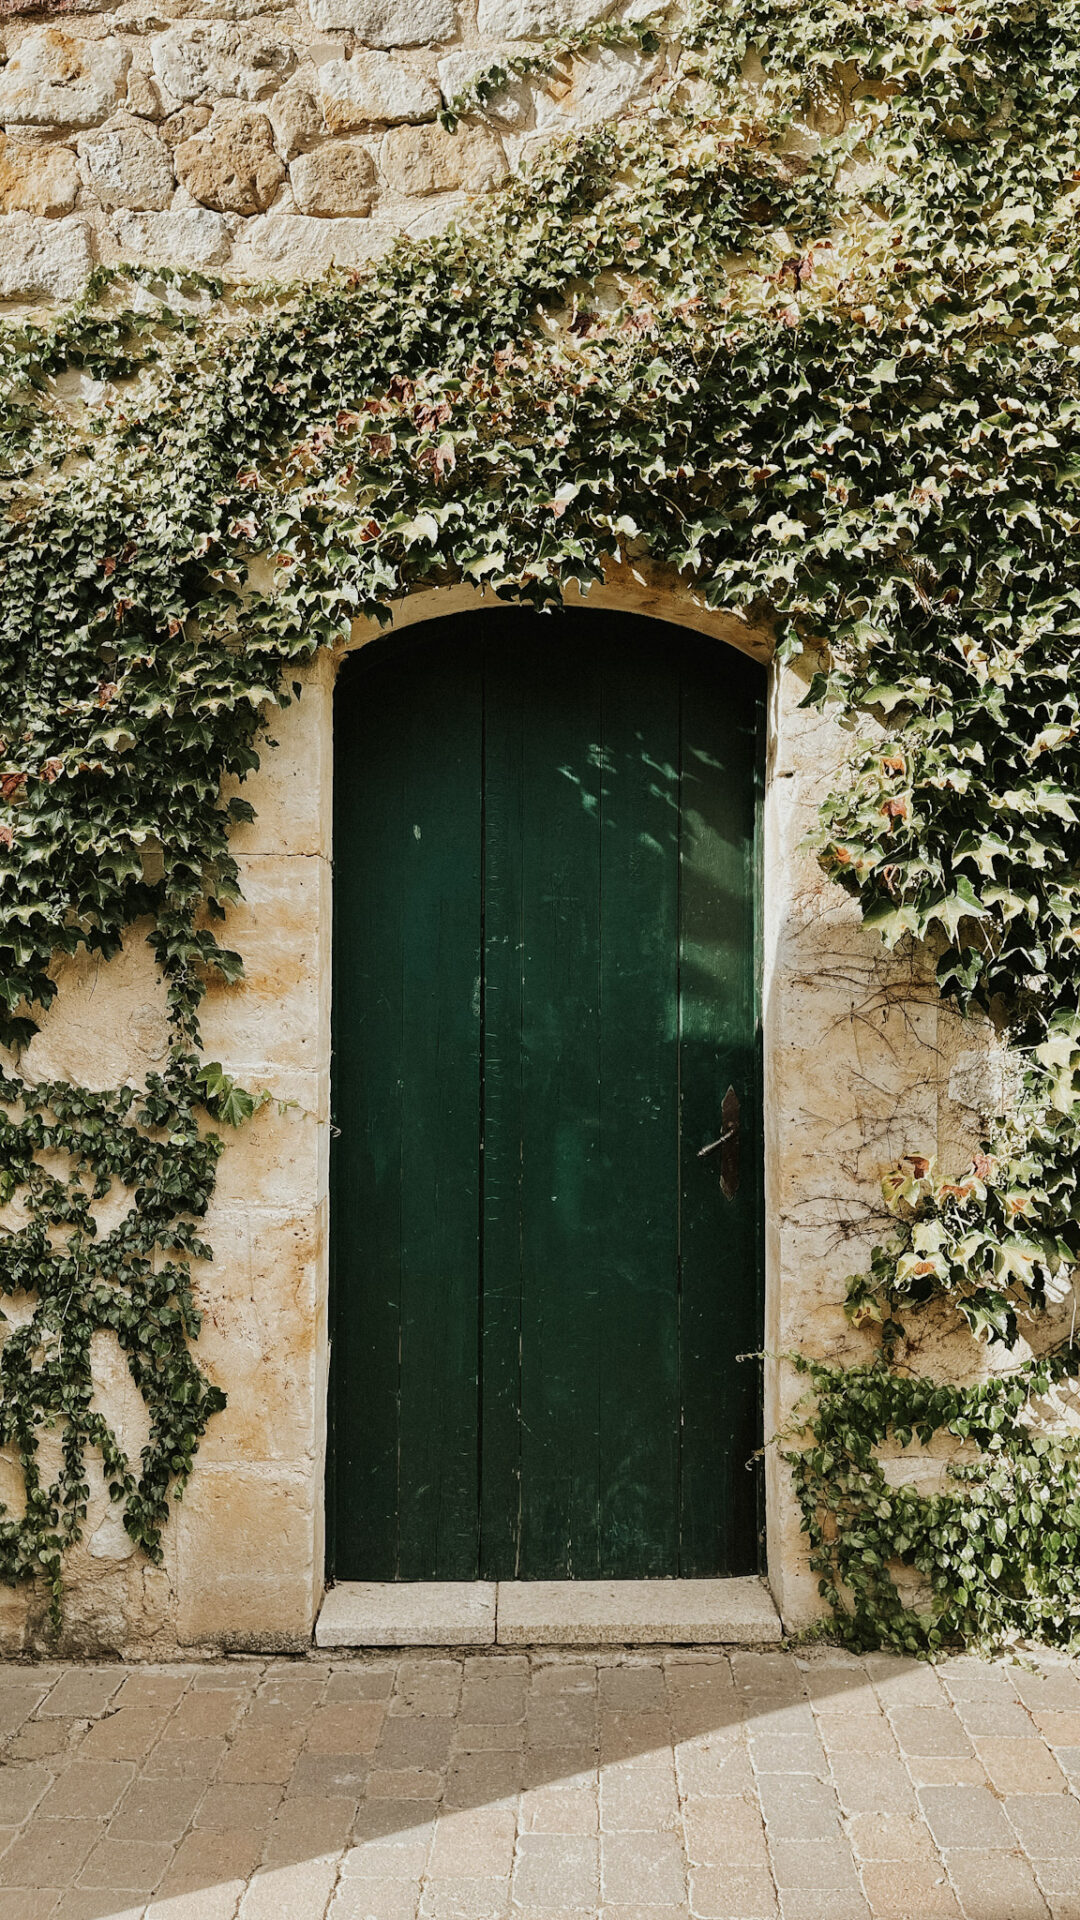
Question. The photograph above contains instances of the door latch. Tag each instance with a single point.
(727, 1145)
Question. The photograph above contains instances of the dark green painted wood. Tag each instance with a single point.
(590, 788)
(407, 1106)
(721, 1309)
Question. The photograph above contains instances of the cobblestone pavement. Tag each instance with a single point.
(630, 1786)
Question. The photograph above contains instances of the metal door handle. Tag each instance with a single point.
(727, 1145)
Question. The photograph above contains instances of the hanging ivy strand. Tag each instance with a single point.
(803, 328)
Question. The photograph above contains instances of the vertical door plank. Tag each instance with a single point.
(407, 1037)
(544, 1213)
(721, 1308)
(638, 1336)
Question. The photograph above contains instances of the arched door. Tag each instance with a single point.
(545, 852)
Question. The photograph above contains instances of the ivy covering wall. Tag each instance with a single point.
(806, 330)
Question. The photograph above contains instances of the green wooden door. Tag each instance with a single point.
(544, 1009)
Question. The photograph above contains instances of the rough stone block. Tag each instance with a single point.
(42, 180)
(54, 79)
(191, 236)
(336, 178)
(43, 259)
(217, 62)
(245, 1538)
(537, 19)
(372, 88)
(388, 23)
(429, 1613)
(128, 167)
(233, 167)
(276, 1016)
(300, 246)
(428, 159)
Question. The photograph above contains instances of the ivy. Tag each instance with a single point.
(803, 330)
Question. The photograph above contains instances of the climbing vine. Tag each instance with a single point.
(803, 328)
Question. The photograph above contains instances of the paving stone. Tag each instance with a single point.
(161, 1808)
(782, 1753)
(1020, 1766)
(21, 1788)
(200, 1716)
(1048, 1825)
(795, 1905)
(210, 1859)
(478, 1778)
(374, 1900)
(137, 1865)
(856, 1733)
(384, 1819)
(713, 1765)
(556, 1870)
(475, 1841)
(966, 1816)
(184, 1759)
(890, 1836)
(48, 1853)
(1058, 1728)
(797, 1807)
(465, 1900)
(41, 1739)
(427, 1687)
(300, 1892)
(929, 1730)
(304, 1827)
(99, 1903)
(486, 1736)
(642, 1868)
(998, 1885)
(633, 1689)
(727, 1831)
(559, 1809)
(867, 1781)
(342, 1776)
(263, 1757)
(900, 1892)
(412, 1740)
(87, 1790)
(997, 1717)
(1055, 1687)
(623, 1735)
(128, 1733)
(812, 1865)
(351, 1726)
(412, 1783)
(233, 1806)
(395, 1857)
(83, 1693)
(722, 1893)
(639, 1794)
(26, 1904)
(943, 1770)
(361, 1682)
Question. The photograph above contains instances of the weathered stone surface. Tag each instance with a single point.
(334, 179)
(606, 1612)
(43, 259)
(388, 23)
(430, 160)
(56, 80)
(192, 236)
(42, 180)
(233, 166)
(535, 19)
(427, 1613)
(297, 118)
(510, 107)
(602, 84)
(128, 167)
(144, 95)
(246, 1550)
(185, 124)
(372, 87)
(296, 246)
(213, 61)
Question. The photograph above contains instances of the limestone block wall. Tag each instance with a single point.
(260, 139)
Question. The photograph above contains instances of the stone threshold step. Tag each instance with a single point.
(561, 1613)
